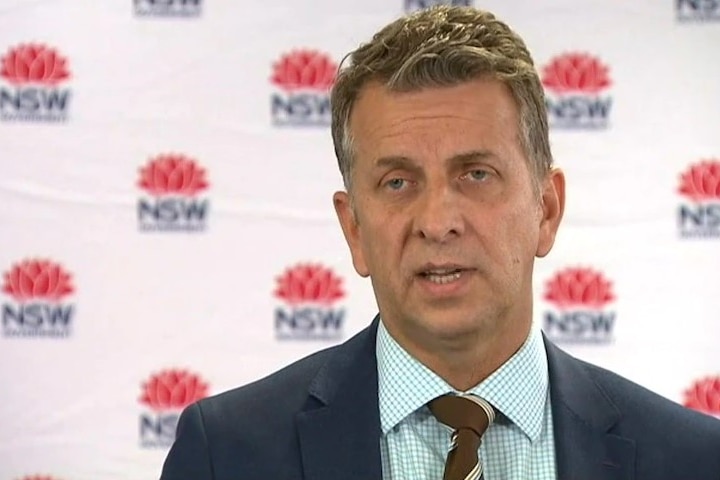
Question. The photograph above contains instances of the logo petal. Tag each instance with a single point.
(172, 174)
(578, 287)
(304, 69)
(575, 72)
(701, 181)
(308, 283)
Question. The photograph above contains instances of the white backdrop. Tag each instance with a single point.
(168, 232)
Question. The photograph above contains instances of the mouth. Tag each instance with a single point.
(442, 274)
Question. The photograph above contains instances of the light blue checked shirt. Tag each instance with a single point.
(517, 446)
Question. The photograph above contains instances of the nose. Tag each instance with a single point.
(438, 217)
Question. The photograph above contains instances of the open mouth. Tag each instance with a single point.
(442, 275)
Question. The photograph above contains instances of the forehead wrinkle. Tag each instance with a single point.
(421, 118)
(408, 133)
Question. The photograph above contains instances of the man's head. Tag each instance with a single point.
(441, 135)
(443, 46)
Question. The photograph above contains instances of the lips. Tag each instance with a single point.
(442, 273)
(440, 268)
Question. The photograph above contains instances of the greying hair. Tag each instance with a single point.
(443, 46)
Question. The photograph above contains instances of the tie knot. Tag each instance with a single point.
(463, 412)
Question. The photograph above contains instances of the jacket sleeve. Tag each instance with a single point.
(189, 456)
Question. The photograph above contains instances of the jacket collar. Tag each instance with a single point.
(339, 430)
(583, 418)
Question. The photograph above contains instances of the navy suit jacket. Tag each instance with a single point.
(318, 419)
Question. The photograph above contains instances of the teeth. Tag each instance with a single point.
(442, 278)
(442, 271)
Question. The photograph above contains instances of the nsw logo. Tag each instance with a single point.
(575, 83)
(32, 84)
(309, 293)
(303, 78)
(168, 8)
(164, 396)
(699, 215)
(704, 396)
(172, 184)
(415, 5)
(39, 306)
(697, 10)
(580, 315)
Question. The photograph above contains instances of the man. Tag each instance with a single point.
(441, 136)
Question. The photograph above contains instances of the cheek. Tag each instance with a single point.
(513, 252)
(518, 235)
(371, 241)
(526, 242)
(382, 245)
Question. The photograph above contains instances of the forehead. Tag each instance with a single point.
(475, 115)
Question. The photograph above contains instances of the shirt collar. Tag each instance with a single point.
(518, 388)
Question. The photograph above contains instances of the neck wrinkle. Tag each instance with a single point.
(464, 367)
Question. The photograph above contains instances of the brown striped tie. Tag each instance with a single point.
(469, 416)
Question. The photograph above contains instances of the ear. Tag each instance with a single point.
(351, 230)
(553, 207)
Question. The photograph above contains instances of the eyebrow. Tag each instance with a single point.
(400, 161)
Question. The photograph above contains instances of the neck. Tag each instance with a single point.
(464, 361)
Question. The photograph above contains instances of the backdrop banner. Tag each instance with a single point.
(168, 230)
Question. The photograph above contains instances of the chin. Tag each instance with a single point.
(456, 325)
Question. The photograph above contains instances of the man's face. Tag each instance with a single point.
(444, 218)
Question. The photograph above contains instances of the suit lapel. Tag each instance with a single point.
(583, 418)
(339, 431)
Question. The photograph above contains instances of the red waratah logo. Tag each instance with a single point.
(34, 63)
(704, 396)
(575, 287)
(701, 181)
(172, 174)
(575, 72)
(173, 389)
(304, 69)
(309, 283)
(43, 279)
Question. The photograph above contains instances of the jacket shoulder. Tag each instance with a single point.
(661, 428)
(283, 392)
(669, 440)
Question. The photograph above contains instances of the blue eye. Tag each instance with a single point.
(395, 183)
(478, 174)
